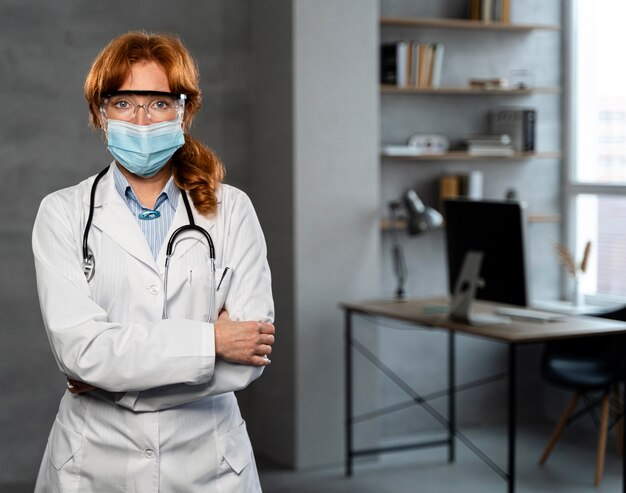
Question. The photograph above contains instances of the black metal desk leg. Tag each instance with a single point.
(623, 409)
(451, 395)
(348, 356)
(512, 413)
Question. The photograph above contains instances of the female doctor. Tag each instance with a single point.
(155, 293)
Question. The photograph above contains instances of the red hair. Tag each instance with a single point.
(196, 168)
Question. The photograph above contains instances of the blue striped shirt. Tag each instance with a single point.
(153, 229)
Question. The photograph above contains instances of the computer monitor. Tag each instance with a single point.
(497, 230)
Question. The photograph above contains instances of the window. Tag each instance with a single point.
(596, 186)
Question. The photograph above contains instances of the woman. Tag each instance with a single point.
(153, 340)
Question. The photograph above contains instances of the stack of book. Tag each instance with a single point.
(490, 10)
(489, 145)
(411, 64)
(517, 123)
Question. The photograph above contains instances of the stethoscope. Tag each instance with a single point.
(89, 262)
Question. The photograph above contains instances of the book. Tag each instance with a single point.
(402, 67)
(438, 51)
(415, 62)
(394, 63)
(518, 123)
(411, 63)
(486, 10)
(401, 150)
(490, 151)
(489, 145)
(506, 11)
(488, 139)
(388, 63)
(474, 13)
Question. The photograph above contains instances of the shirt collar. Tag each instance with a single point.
(169, 194)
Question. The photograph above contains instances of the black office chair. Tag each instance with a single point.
(593, 369)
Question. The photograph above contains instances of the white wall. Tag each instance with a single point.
(337, 195)
(317, 124)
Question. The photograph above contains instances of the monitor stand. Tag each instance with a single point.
(465, 293)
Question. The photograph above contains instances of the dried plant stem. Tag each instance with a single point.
(566, 258)
(585, 260)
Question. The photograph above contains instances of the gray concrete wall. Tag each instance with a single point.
(271, 402)
(46, 49)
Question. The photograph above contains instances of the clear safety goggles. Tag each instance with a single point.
(158, 106)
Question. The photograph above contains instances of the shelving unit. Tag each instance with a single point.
(446, 91)
(391, 91)
(465, 24)
(464, 156)
(400, 224)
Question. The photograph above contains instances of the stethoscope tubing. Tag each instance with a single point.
(89, 260)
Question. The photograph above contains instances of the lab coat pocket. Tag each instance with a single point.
(236, 449)
(223, 276)
(64, 444)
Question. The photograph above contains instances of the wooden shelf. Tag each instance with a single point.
(392, 89)
(400, 224)
(466, 24)
(464, 156)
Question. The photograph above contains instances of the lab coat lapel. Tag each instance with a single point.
(181, 219)
(113, 217)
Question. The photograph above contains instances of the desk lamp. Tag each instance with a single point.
(420, 219)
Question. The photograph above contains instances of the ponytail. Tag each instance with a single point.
(198, 170)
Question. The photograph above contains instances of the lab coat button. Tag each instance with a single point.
(154, 289)
(149, 453)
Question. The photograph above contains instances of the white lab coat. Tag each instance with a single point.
(166, 419)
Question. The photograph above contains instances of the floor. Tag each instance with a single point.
(569, 469)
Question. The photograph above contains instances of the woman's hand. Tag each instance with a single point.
(248, 343)
(78, 387)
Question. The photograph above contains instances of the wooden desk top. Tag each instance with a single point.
(433, 313)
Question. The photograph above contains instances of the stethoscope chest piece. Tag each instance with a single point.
(89, 266)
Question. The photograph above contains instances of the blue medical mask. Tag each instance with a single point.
(144, 149)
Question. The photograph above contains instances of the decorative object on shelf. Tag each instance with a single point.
(489, 84)
(420, 219)
(511, 194)
(490, 10)
(522, 78)
(575, 271)
(430, 143)
(518, 123)
(420, 145)
(455, 185)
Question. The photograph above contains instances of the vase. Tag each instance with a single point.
(578, 296)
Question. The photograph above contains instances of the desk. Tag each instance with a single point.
(420, 312)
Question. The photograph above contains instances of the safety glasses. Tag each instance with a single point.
(158, 106)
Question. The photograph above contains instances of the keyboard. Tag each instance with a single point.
(529, 314)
